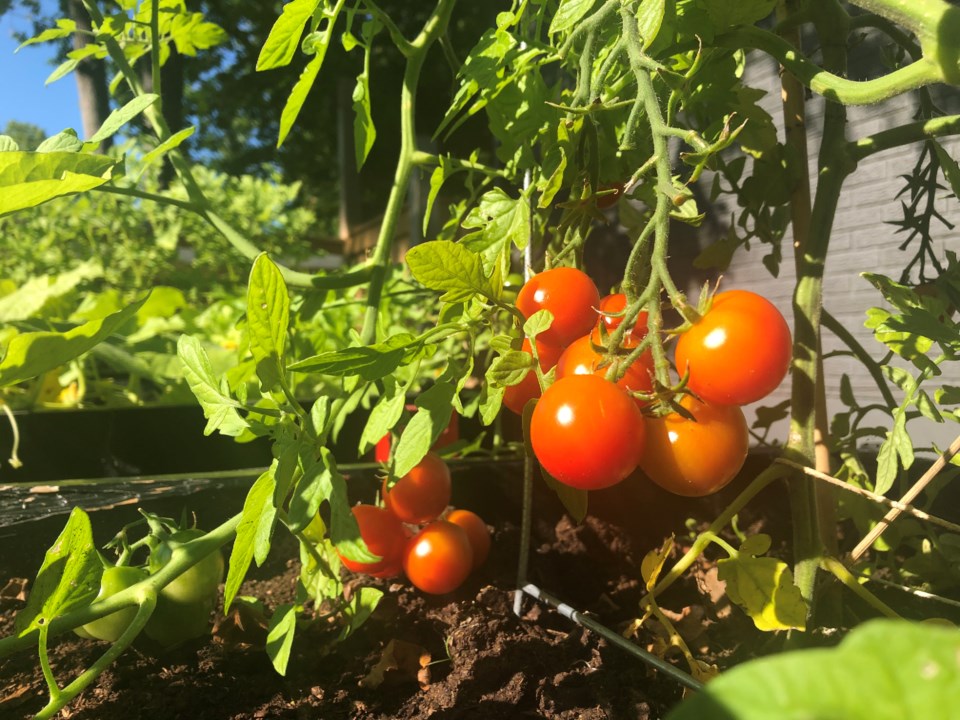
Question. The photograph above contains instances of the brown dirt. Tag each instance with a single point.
(483, 661)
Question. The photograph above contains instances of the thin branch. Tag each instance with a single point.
(905, 135)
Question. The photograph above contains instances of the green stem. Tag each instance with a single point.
(405, 47)
(434, 27)
(905, 135)
(859, 352)
(839, 570)
(425, 159)
(155, 55)
(833, 86)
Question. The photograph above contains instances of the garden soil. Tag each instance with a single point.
(462, 655)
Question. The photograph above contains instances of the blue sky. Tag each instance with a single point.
(24, 97)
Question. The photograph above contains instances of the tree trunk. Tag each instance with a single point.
(92, 92)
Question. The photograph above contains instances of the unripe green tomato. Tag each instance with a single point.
(173, 623)
(197, 583)
(112, 626)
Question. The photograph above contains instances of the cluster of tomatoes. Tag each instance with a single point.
(447, 546)
(591, 433)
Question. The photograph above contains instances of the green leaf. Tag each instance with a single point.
(883, 670)
(68, 578)
(949, 167)
(502, 220)
(34, 353)
(29, 300)
(360, 607)
(65, 141)
(213, 394)
(537, 323)
(166, 146)
(63, 69)
(438, 177)
(509, 368)
(8, 144)
(450, 268)
(253, 532)
(574, 500)
(364, 132)
(385, 414)
(763, 587)
(28, 179)
(727, 13)
(280, 632)
(371, 362)
(569, 14)
(344, 532)
(268, 318)
(432, 416)
(121, 116)
(649, 19)
(314, 486)
(284, 38)
(64, 29)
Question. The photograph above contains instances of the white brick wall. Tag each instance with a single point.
(861, 242)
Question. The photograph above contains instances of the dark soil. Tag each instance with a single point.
(481, 660)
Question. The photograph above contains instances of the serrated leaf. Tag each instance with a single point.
(68, 578)
(537, 323)
(64, 141)
(569, 14)
(280, 632)
(384, 415)
(500, 221)
(360, 607)
(315, 486)
(364, 131)
(649, 19)
(219, 408)
(253, 532)
(166, 146)
(268, 318)
(434, 407)
(763, 587)
(370, 362)
(344, 532)
(450, 268)
(28, 179)
(31, 354)
(121, 116)
(284, 38)
(509, 368)
(65, 28)
(883, 670)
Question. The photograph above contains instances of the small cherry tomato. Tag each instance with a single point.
(610, 320)
(738, 352)
(569, 294)
(587, 432)
(515, 397)
(581, 359)
(384, 535)
(477, 533)
(695, 458)
(113, 580)
(422, 494)
(438, 558)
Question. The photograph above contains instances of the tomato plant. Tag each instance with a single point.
(698, 456)
(422, 494)
(738, 352)
(384, 535)
(611, 309)
(438, 558)
(515, 397)
(197, 583)
(114, 579)
(587, 432)
(477, 533)
(570, 296)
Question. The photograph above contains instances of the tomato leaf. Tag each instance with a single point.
(509, 368)
(121, 116)
(384, 415)
(253, 532)
(284, 38)
(68, 578)
(916, 661)
(569, 14)
(432, 416)
(650, 16)
(360, 607)
(764, 588)
(220, 410)
(452, 269)
(315, 486)
(371, 362)
(280, 632)
(652, 564)
(34, 353)
(268, 317)
(537, 323)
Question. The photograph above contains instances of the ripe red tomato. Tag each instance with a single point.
(516, 396)
(586, 432)
(438, 558)
(695, 458)
(738, 352)
(384, 535)
(569, 294)
(617, 303)
(477, 533)
(422, 494)
(581, 359)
